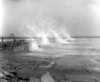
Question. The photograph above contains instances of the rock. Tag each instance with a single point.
(34, 80)
(3, 80)
(47, 78)
(1, 75)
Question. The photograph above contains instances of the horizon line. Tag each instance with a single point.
(26, 37)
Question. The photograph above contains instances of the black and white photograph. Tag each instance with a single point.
(49, 40)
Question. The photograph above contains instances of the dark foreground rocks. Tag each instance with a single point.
(47, 77)
(13, 77)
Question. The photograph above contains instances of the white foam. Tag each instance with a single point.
(34, 46)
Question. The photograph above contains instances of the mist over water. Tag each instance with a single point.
(57, 19)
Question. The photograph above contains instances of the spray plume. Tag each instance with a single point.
(44, 28)
(34, 46)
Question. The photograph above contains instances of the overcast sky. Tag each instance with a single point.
(78, 17)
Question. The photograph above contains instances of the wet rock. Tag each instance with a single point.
(3, 80)
(23, 81)
(47, 78)
(34, 80)
(1, 75)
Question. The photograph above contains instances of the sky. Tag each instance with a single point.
(77, 17)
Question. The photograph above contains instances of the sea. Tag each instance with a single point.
(81, 53)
